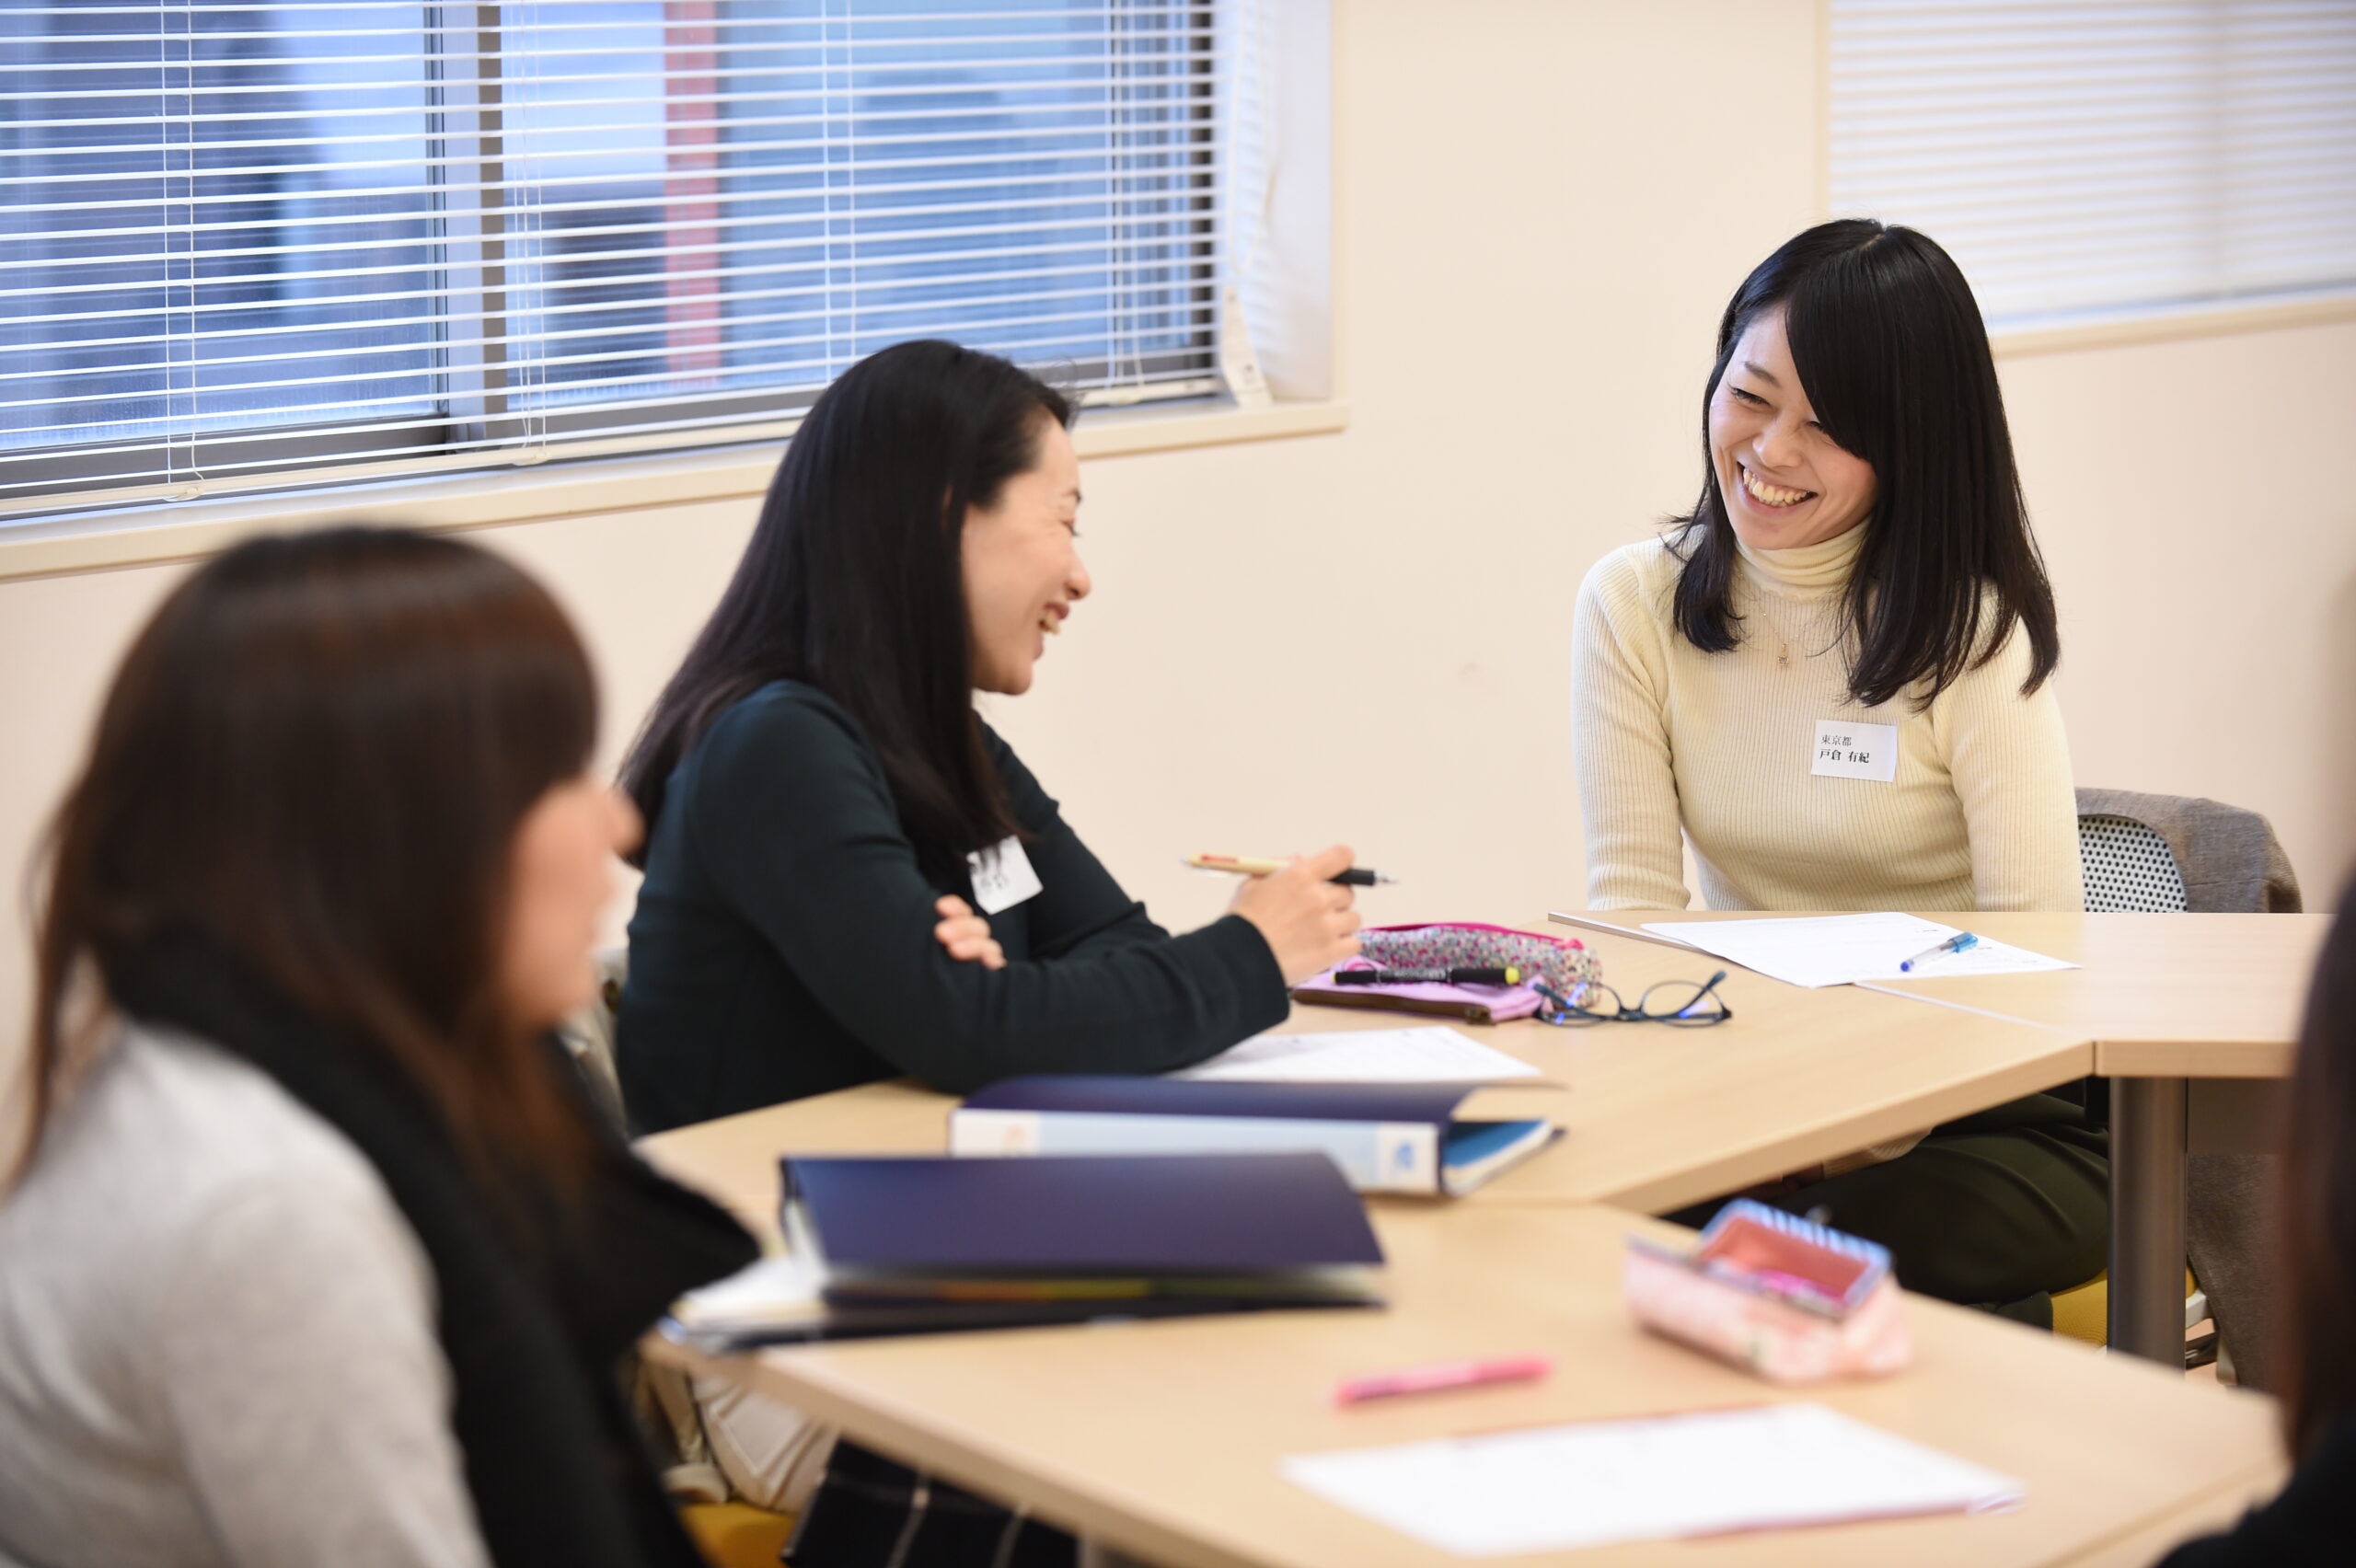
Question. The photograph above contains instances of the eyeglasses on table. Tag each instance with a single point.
(1683, 1004)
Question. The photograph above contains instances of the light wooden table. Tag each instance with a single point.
(2219, 1509)
(2164, 999)
(1162, 1440)
(1657, 1116)
(2162, 996)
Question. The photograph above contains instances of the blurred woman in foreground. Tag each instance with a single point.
(317, 1253)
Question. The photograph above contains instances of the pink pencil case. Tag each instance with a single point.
(1790, 1301)
(1563, 962)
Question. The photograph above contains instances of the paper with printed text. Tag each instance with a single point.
(1841, 949)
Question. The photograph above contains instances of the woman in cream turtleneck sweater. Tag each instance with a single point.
(1831, 679)
(1979, 814)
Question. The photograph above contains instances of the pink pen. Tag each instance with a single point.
(1443, 1375)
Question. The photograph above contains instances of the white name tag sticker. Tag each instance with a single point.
(1003, 876)
(1844, 750)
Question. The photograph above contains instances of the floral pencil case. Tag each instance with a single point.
(1789, 1301)
(1561, 963)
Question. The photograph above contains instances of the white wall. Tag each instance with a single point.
(1540, 208)
(2194, 502)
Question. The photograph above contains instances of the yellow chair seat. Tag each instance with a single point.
(737, 1535)
(2084, 1312)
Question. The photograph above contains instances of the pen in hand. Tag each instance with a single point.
(1245, 866)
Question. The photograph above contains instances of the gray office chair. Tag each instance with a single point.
(2129, 866)
(2170, 854)
(663, 1397)
(2173, 854)
(589, 1035)
(732, 1532)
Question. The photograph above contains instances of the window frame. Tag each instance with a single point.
(479, 429)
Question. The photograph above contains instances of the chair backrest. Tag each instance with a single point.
(662, 1399)
(2172, 853)
(2129, 867)
(589, 1034)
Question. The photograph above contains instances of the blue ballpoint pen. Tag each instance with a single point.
(1955, 943)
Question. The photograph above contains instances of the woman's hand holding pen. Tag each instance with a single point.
(1308, 920)
(967, 935)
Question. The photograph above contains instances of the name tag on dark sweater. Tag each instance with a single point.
(1003, 876)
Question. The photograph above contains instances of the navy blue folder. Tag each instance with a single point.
(1433, 1102)
(1081, 1215)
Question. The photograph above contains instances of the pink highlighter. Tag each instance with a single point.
(1443, 1375)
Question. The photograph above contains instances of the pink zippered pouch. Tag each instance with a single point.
(1563, 962)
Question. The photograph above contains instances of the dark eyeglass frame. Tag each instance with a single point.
(1568, 1014)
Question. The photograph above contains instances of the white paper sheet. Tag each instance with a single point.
(1432, 1054)
(1839, 950)
(1634, 933)
(1594, 1483)
(779, 1289)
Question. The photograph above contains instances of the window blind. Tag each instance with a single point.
(260, 245)
(2086, 158)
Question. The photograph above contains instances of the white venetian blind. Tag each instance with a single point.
(256, 245)
(2087, 158)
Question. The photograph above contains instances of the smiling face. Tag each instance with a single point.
(1786, 482)
(1022, 567)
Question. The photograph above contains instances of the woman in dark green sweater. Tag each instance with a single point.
(827, 813)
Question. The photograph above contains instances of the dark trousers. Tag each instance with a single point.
(871, 1512)
(1997, 1210)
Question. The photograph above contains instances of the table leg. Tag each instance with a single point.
(2147, 1165)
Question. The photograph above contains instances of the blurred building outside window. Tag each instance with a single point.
(250, 244)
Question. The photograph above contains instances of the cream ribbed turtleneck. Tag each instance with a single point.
(1809, 570)
(1980, 816)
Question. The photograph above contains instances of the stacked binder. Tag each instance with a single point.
(1402, 1137)
(893, 1246)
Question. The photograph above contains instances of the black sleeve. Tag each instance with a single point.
(1079, 908)
(2312, 1522)
(629, 1241)
(795, 826)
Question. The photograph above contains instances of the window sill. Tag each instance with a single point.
(187, 531)
(2184, 321)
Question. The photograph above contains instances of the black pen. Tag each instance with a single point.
(1491, 974)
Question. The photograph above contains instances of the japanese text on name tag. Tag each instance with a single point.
(1847, 750)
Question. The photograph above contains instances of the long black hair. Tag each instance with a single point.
(854, 582)
(1890, 348)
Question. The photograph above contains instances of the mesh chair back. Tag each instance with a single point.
(2225, 859)
(2129, 867)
